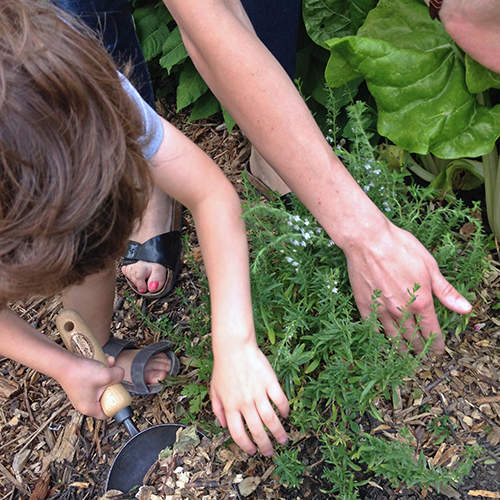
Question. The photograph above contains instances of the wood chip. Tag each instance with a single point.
(484, 493)
(41, 488)
(7, 388)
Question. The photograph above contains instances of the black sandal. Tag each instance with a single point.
(138, 386)
(164, 249)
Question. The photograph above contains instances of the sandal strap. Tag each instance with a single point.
(142, 357)
(163, 249)
(115, 346)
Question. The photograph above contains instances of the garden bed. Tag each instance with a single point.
(49, 451)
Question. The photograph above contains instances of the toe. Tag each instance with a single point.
(157, 368)
(156, 279)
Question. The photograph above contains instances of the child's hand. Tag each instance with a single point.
(86, 382)
(243, 386)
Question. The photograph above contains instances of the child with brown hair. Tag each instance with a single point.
(80, 153)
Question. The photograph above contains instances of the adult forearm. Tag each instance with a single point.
(262, 99)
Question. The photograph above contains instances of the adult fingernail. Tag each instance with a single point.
(463, 304)
(153, 286)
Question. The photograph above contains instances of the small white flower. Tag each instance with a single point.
(377, 171)
(331, 243)
(367, 188)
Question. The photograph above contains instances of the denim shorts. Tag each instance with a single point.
(276, 23)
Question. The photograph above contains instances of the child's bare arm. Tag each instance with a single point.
(243, 383)
(82, 379)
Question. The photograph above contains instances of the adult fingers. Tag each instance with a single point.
(449, 296)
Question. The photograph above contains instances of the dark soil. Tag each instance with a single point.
(48, 451)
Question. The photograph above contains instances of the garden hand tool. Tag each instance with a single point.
(141, 450)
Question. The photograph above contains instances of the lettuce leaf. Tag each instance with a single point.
(417, 76)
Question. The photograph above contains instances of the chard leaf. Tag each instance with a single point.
(478, 78)
(416, 74)
(325, 19)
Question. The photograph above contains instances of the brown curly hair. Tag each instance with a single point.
(73, 179)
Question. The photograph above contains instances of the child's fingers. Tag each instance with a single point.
(254, 419)
(218, 409)
(272, 422)
(113, 375)
(111, 360)
(277, 396)
(238, 433)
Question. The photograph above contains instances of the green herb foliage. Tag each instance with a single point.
(419, 77)
(335, 368)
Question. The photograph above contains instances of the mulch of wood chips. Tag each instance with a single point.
(50, 451)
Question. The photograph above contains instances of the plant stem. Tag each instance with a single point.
(492, 190)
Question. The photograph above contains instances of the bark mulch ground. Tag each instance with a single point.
(49, 451)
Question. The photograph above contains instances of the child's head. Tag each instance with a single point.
(72, 176)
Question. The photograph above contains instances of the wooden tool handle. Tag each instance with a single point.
(79, 339)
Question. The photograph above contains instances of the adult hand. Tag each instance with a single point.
(393, 264)
(475, 27)
(242, 389)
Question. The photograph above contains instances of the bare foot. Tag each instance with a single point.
(148, 276)
(265, 173)
(157, 367)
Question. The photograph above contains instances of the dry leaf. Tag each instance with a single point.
(248, 485)
(493, 437)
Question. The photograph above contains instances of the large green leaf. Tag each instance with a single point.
(325, 19)
(174, 52)
(191, 86)
(206, 105)
(151, 25)
(478, 78)
(416, 74)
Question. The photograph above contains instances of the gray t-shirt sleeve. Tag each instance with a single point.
(154, 130)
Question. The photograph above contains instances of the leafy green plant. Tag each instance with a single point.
(169, 62)
(289, 468)
(196, 394)
(334, 366)
(420, 78)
